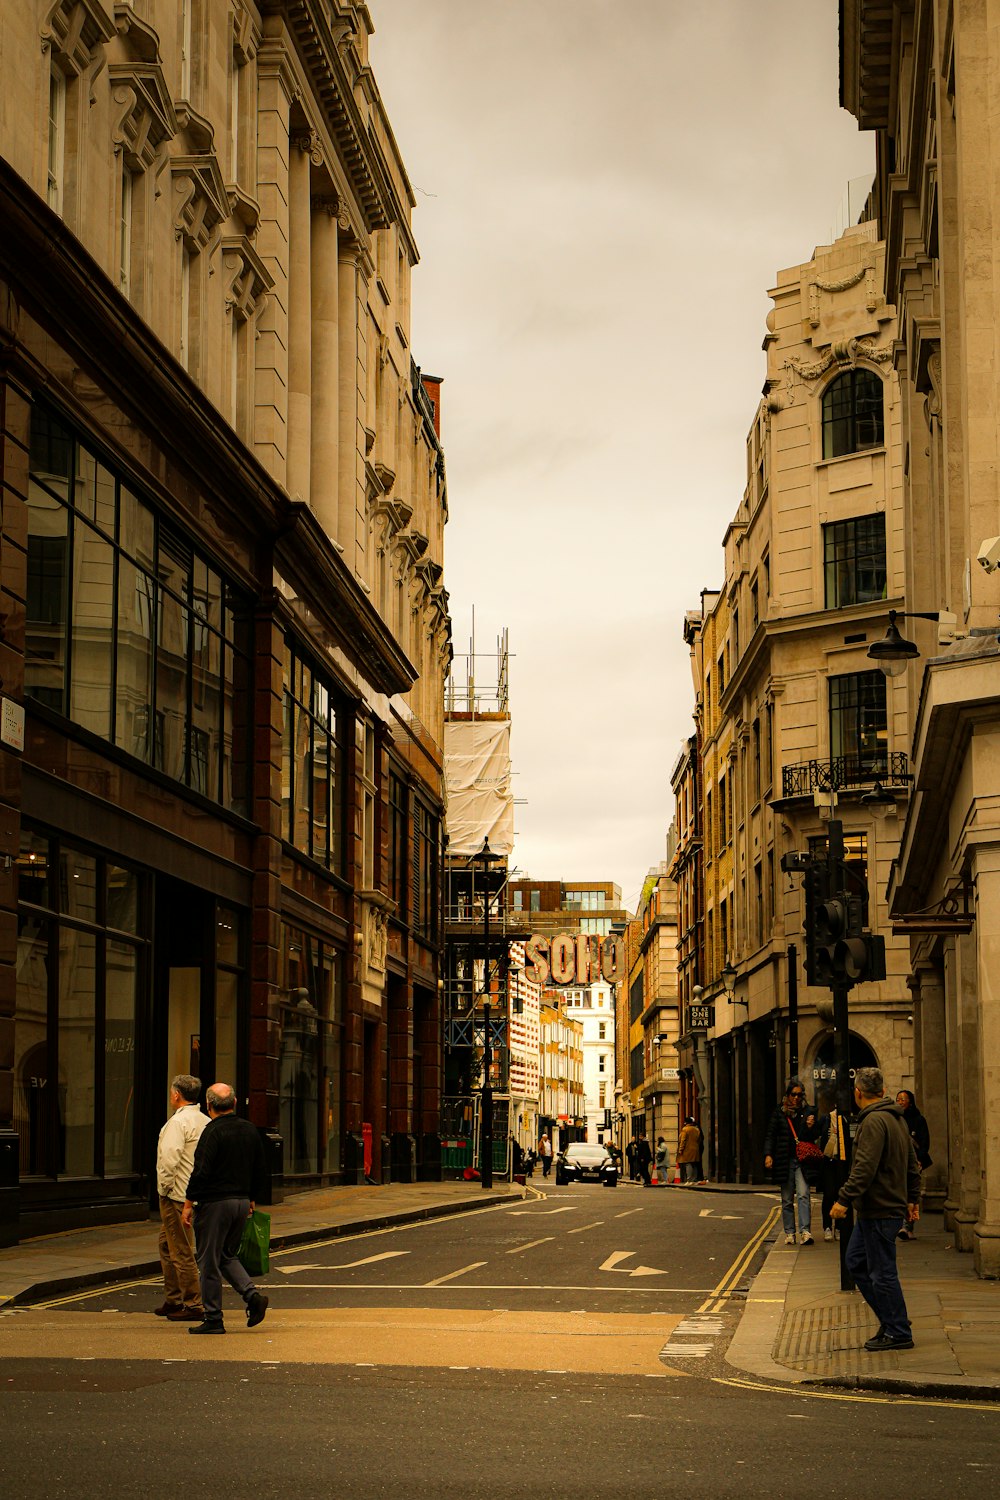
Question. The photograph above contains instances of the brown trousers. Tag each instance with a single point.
(180, 1271)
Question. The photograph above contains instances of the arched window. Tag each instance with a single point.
(852, 414)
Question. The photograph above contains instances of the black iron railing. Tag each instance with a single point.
(843, 772)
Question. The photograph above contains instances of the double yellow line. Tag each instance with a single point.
(717, 1300)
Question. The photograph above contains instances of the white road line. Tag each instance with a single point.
(368, 1260)
(686, 1351)
(451, 1276)
(630, 1211)
(530, 1245)
(583, 1227)
(619, 1288)
(565, 1208)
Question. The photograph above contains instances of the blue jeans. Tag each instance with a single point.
(871, 1260)
(794, 1187)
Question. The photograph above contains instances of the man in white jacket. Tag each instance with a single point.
(174, 1161)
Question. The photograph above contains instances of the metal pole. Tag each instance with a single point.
(486, 1097)
(841, 1046)
(793, 1011)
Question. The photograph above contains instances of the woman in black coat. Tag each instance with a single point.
(920, 1135)
(784, 1127)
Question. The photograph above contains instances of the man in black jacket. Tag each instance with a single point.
(884, 1188)
(229, 1176)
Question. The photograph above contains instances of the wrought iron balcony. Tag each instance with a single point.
(844, 772)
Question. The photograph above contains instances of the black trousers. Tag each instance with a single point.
(218, 1228)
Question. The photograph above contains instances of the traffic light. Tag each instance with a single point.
(830, 941)
(815, 887)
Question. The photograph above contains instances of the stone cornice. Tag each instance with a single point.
(318, 46)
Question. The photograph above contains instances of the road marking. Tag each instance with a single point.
(566, 1208)
(800, 1393)
(718, 1298)
(619, 1289)
(583, 1227)
(709, 1213)
(612, 1264)
(686, 1351)
(696, 1325)
(368, 1260)
(530, 1245)
(440, 1280)
(630, 1211)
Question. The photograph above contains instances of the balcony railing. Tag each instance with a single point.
(844, 772)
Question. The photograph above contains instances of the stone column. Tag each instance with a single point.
(986, 1242)
(351, 449)
(965, 1089)
(297, 476)
(325, 433)
(931, 1076)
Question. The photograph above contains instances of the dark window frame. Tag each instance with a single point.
(853, 413)
(854, 561)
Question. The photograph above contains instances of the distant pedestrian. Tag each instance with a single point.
(644, 1158)
(781, 1161)
(545, 1152)
(175, 1150)
(883, 1187)
(920, 1135)
(834, 1149)
(687, 1151)
(662, 1168)
(229, 1176)
(632, 1159)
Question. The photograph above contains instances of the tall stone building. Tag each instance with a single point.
(648, 1019)
(224, 628)
(795, 723)
(922, 76)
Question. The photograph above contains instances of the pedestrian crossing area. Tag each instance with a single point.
(704, 1330)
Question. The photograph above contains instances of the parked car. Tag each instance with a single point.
(584, 1162)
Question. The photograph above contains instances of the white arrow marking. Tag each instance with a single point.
(369, 1260)
(709, 1213)
(567, 1208)
(611, 1264)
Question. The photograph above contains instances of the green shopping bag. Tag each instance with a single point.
(255, 1243)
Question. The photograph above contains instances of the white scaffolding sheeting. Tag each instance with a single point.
(478, 787)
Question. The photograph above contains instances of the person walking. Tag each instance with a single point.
(229, 1176)
(781, 1161)
(175, 1150)
(883, 1187)
(920, 1135)
(630, 1157)
(545, 1152)
(644, 1158)
(833, 1155)
(687, 1151)
(661, 1161)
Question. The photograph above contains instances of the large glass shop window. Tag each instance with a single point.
(130, 633)
(311, 1016)
(311, 766)
(80, 952)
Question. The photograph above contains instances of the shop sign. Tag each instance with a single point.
(574, 958)
(701, 1017)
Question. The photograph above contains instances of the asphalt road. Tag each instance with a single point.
(573, 1343)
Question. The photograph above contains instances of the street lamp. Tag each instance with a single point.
(893, 653)
(729, 978)
(486, 1091)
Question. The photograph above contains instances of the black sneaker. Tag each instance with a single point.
(883, 1342)
(207, 1327)
(257, 1305)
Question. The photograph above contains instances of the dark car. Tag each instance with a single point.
(583, 1162)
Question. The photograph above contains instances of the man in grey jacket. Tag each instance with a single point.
(884, 1188)
(174, 1161)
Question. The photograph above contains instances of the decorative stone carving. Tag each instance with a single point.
(201, 203)
(866, 274)
(75, 32)
(844, 354)
(144, 118)
(248, 280)
(307, 141)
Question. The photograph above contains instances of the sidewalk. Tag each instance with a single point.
(800, 1327)
(87, 1257)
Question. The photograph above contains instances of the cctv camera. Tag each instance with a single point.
(989, 554)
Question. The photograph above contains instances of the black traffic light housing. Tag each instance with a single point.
(839, 949)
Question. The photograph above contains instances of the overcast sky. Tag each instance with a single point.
(606, 189)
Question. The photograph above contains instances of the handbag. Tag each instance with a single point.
(255, 1244)
(805, 1151)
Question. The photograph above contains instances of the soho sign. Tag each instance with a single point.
(569, 958)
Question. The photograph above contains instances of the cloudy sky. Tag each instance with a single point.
(606, 189)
